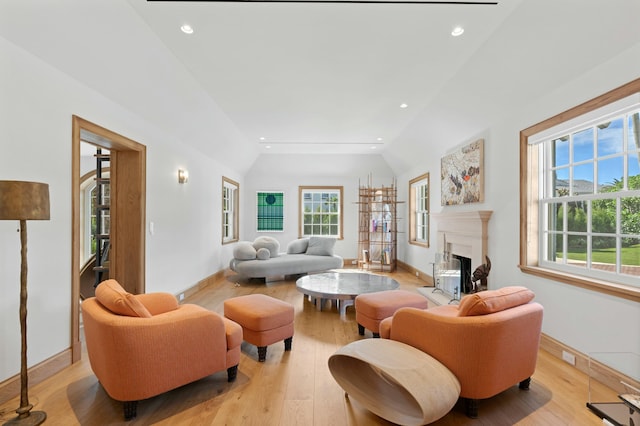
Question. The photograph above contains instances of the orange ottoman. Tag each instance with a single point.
(264, 320)
(372, 308)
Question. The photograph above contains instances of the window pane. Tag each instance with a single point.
(630, 215)
(583, 145)
(631, 258)
(634, 170)
(582, 179)
(561, 183)
(560, 151)
(554, 250)
(577, 216)
(610, 138)
(555, 215)
(609, 172)
(577, 250)
(603, 216)
(603, 253)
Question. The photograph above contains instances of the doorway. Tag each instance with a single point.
(127, 214)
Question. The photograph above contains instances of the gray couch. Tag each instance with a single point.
(262, 259)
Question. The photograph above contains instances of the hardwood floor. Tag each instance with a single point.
(296, 388)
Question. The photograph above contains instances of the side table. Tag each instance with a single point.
(396, 381)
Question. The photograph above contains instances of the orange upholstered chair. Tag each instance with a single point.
(489, 341)
(143, 345)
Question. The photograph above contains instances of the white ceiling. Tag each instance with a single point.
(322, 78)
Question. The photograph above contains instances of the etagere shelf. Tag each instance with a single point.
(377, 227)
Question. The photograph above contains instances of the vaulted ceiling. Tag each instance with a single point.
(322, 77)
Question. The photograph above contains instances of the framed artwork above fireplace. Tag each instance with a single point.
(462, 175)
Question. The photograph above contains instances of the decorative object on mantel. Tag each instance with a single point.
(24, 201)
(480, 274)
(462, 175)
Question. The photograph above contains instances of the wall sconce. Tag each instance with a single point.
(183, 176)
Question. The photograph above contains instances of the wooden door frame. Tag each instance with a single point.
(128, 216)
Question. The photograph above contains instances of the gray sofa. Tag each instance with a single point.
(262, 259)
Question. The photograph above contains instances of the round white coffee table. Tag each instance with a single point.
(343, 287)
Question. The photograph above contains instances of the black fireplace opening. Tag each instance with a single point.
(465, 273)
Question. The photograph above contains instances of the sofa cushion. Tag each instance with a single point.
(263, 254)
(490, 301)
(269, 243)
(115, 298)
(321, 246)
(298, 246)
(244, 250)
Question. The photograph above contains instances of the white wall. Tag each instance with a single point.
(36, 106)
(585, 320)
(287, 172)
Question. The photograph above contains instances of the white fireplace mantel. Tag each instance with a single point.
(464, 234)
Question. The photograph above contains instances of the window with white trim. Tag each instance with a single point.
(320, 211)
(583, 193)
(419, 210)
(230, 210)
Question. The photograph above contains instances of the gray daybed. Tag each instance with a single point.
(261, 258)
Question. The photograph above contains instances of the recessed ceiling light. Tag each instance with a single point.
(268, 146)
(403, 105)
(457, 31)
(379, 139)
(187, 29)
(262, 138)
(374, 147)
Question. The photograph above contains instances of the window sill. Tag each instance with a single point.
(613, 289)
(418, 243)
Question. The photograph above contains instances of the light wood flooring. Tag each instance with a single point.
(296, 388)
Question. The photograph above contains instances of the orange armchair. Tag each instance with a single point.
(143, 345)
(489, 342)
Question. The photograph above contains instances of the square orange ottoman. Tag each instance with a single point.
(264, 320)
(372, 308)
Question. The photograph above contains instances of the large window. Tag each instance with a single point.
(581, 195)
(419, 210)
(230, 210)
(320, 211)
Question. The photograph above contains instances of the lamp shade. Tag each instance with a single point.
(21, 200)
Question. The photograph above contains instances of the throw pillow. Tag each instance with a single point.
(490, 301)
(269, 243)
(321, 246)
(116, 299)
(263, 254)
(244, 250)
(298, 246)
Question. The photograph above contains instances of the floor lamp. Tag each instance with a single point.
(24, 201)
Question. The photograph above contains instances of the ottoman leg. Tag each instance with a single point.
(262, 353)
(232, 373)
(287, 343)
(361, 330)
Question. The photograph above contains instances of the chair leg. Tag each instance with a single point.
(130, 409)
(471, 407)
(524, 385)
(232, 373)
(287, 343)
(262, 353)
(361, 330)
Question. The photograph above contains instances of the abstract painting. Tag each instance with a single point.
(462, 175)
(270, 208)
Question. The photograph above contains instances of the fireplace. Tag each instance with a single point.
(464, 236)
(465, 273)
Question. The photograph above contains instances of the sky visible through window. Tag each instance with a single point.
(608, 149)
